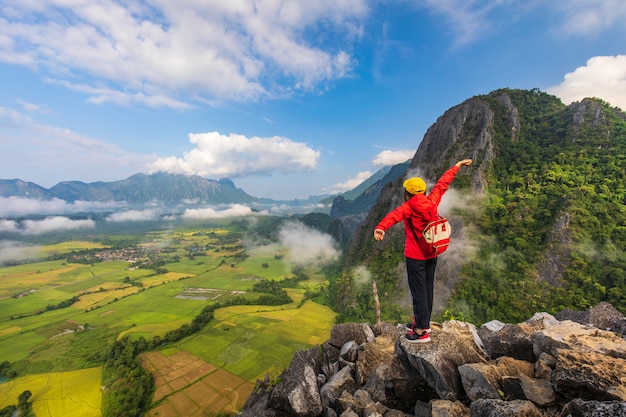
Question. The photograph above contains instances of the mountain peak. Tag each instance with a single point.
(137, 189)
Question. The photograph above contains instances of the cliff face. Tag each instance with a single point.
(545, 191)
(545, 366)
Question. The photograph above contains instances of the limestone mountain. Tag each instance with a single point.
(539, 218)
(350, 209)
(19, 188)
(137, 189)
(361, 199)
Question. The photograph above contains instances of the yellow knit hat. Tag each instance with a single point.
(415, 185)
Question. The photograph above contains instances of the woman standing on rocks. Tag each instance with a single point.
(417, 211)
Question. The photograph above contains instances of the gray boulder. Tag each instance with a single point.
(499, 408)
(580, 408)
(430, 370)
(333, 389)
(298, 394)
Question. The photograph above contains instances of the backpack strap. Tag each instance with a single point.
(413, 230)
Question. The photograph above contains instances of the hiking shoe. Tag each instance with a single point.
(412, 326)
(419, 338)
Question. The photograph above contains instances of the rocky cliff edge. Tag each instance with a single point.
(569, 365)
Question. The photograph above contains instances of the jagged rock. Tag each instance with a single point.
(589, 375)
(380, 351)
(329, 412)
(349, 413)
(376, 385)
(619, 326)
(341, 334)
(502, 339)
(256, 405)
(484, 380)
(480, 381)
(396, 413)
(330, 369)
(422, 409)
(513, 367)
(570, 335)
(579, 371)
(429, 371)
(577, 316)
(499, 408)
(375, 410)
(522, 387)
(604, 316)
(580, 408)
(349, 351)
(298, 394)
(380, 388)
(544, 365)
(330, 360)
(332, 390)
(444, 408)
(513, 340)
(357, 401)
(321, 379)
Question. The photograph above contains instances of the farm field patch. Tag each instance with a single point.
(250, 341)
(186, 385)
(60, 394)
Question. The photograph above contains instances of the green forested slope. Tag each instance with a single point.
(550, 227)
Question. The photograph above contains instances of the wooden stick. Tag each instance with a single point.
(378, 329)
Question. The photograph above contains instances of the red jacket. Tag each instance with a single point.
(420, 210)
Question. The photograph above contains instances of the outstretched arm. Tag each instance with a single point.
(464, 162)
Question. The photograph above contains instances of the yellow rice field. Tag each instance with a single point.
(61, 394)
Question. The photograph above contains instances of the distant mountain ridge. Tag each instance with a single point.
(136, 189)
(174, 189)
(360, 200)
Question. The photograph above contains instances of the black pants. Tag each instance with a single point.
(421, 275)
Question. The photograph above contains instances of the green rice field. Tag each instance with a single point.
(57, 316)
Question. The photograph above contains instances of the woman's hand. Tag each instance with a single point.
(464, 162)
(379, 234)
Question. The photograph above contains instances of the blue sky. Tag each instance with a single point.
(286, 98)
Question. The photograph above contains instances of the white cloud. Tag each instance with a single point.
(140, 52)
(473, 20)
(100, 95)
(589, 17)
(133, 216)
(235, 210)
(54, 224)
(603, 77)
(53, 149)
(217, 155)
(8, 226)
(32, 107)
(386, 158)
(13, 206)
(307, 246)
(15, 251)
(349, 184)
(469, 19)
